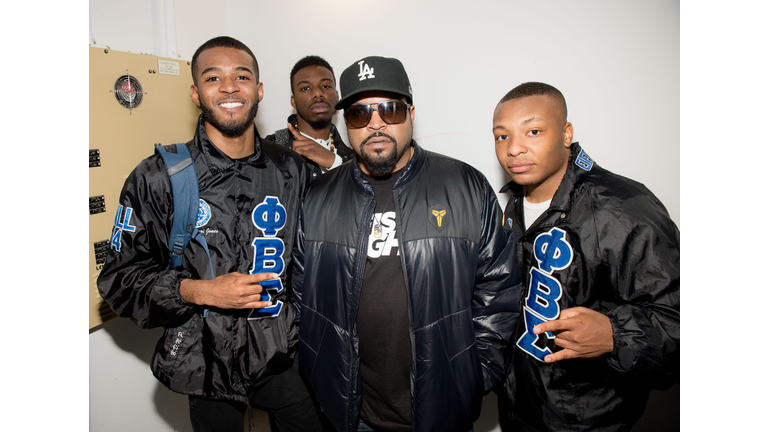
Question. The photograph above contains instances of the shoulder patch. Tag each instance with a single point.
(583, 161)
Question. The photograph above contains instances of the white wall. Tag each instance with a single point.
(617, 63)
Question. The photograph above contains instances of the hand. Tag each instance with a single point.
(310, 149)
(229, 291)
(582, 332)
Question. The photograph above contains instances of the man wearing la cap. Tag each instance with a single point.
(405, 313)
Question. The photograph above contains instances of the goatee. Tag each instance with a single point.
(379, 164)
(318, 124)
(231, 128)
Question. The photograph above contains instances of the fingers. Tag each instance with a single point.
(572, 312)
(244, 291)
(560, 355)
(256, 278)
(294, 132)
(564, 322)
(554, 326)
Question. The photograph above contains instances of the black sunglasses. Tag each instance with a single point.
(391, 112)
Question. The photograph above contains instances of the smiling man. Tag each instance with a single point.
(405, 309)
(600, 324)
(224, 344)
(310, 131)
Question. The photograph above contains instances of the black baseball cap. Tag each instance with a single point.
(373, 74)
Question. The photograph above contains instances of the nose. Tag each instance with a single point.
(229, 85)
(515, 147)
(376, 121)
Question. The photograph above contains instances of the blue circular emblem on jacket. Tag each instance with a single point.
(203, 214)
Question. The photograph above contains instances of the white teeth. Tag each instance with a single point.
(232, 104)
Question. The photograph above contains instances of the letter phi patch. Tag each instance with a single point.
(439, 216)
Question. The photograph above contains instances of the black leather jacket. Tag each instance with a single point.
(605, 243)
(462, 280)
(223, 354)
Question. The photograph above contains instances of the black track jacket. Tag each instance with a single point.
(248, 213)
(605, 243)
(461, 276)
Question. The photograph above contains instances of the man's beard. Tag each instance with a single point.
(231, 128)
(318, 124)
(376, 163)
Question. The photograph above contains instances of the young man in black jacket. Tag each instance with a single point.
(600, 307)
(310, 131)
(224, 344)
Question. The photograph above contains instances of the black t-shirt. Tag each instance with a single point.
(383, 322)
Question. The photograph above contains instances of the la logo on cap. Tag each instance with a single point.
(365, 71)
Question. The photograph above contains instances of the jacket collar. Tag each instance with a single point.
(408, 173)
(216, 160)
(579, 167)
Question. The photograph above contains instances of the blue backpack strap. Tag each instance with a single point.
(186, 198)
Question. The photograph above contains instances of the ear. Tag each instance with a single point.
(293, 102)
(195, 96)
(568, 134)
(412, 112)
(260, 86)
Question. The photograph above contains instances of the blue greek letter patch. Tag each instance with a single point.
(269, 217)
(583, 161)
(552, 252)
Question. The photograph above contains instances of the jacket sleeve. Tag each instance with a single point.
(135, 280)
(643, 261)
(495, 307)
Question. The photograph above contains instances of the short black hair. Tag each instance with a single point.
(311, 60)
(223, 42)
(537, 89)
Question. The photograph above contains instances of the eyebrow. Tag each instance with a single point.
(307, 81)
(531, 119)
(524, 122)
(218, 69)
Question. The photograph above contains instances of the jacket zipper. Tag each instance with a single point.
(359, 272)
(410, 313)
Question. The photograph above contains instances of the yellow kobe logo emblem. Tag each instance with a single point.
(439, 215)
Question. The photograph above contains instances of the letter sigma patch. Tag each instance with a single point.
(552, 252)
(269, 217)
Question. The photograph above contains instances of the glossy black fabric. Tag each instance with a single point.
(224, 354)
(625, 264)
(461, 274)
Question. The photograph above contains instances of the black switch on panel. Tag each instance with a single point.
(100, 250)
(94, 158)
(96, 204)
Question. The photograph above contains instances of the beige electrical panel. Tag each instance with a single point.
(136, 102)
